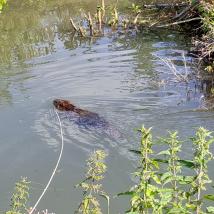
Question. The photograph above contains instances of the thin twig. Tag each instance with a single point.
(180, 22)
(81, 31)
(164, 6)
(171, 65)
(73, 24)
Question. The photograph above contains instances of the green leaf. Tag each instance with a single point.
(176, 210)
(210, 209)
(138, 152)
(187, 163)
(185, 179)
(209, 197)
(166, 176)
(165, 152)
(155, 163)
(136, 212)
(161, 160)
(156, 179)
(126, 193)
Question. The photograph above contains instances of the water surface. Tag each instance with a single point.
(119, 76)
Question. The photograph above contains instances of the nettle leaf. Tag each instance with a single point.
(166, 197)
(185, 179)
(209, 197)
(136, 212)
(187, 163)
(210, 209)
(177, 210)
(138, 152)
(191, 206)
(161, 160)
(126, 193)
(156, 179)
(166, 176)
(165, 152)
(155, 164)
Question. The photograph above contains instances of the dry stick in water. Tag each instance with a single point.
(90, 23)
(164, 6)
(171, 66)
(81, 31)
(136, 19)
(99, 16)
(179, 22)
(57, 164)
(103, 10)
(73, 24)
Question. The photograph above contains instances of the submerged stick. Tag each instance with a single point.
(103, 10)
(73, 24)
(99, 18)
(136, 18)
(165, 6)
(180, 22)
(90, 23)
(81, 31)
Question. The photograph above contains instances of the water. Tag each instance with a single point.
(119, 76)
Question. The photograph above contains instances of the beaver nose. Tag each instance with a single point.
(55, 102)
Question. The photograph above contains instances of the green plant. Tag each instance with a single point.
(143, 194)
(135, 8)
(20, 197)
(202, 156)
(91, 185)
(163, 185)
(114, 16)
(2, 3)
(206, 10)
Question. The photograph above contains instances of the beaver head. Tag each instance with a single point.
(63, 105)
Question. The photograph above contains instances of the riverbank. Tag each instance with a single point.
(196, 18)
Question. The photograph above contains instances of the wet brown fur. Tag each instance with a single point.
(65, 105)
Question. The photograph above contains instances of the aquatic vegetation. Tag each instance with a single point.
(105, 17)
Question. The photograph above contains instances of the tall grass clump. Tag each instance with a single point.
(168, 184)
(91, 185)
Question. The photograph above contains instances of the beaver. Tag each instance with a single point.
(80, 116)
(65, 105)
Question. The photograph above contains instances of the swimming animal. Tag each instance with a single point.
(79, 116)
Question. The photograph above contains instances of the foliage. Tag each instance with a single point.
(207, 13)
(206, 45)
(163, 184)
(202, 156)
(2, 3)
(20, 197)
(91, 185)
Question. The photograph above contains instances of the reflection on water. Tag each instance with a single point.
(119, 76)
(32, 33)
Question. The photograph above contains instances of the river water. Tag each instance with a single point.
(119, 76)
